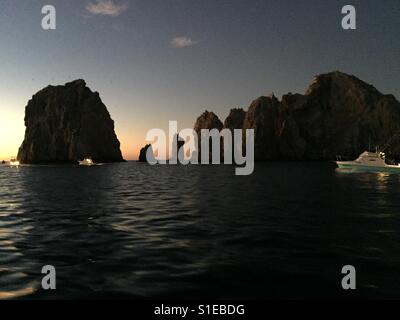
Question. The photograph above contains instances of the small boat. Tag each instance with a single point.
(87, 162)
(14, 162)
(369, 161)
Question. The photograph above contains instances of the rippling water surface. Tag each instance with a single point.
(130, 230)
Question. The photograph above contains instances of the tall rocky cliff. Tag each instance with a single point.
(67, 123)
(207, 120)
(338, 115)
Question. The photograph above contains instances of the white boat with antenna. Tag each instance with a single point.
(372, 161)
(369, 161)
(14, 162)
(87, 162)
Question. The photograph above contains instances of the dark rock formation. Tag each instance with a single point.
(208, 120)
(67, 123)
(178, 141)
(264, 116)
(235, 119)
(338, 115)
(143, 153)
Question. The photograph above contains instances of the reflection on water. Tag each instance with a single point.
(6, 295)
(379, 182)
(131, 230)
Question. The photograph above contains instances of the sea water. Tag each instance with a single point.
(132, 230)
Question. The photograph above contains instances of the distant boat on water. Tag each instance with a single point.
(14, 162)
(369, 161)
(87, 162)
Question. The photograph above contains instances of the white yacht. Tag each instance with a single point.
(369, 161)
(14, 162)
(87, 162)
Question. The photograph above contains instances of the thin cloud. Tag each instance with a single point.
(183, 42)
(106, 8)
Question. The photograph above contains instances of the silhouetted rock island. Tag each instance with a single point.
(67, 123)
(338, 115)
(143, 153)
(235, 119)
(178, 141)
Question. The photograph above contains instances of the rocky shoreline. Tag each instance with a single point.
(338, 115)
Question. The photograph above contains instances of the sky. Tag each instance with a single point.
(158, 60)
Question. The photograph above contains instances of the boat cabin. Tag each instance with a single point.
(372, 159)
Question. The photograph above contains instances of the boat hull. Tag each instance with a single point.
(366, 168)
(86, 164)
